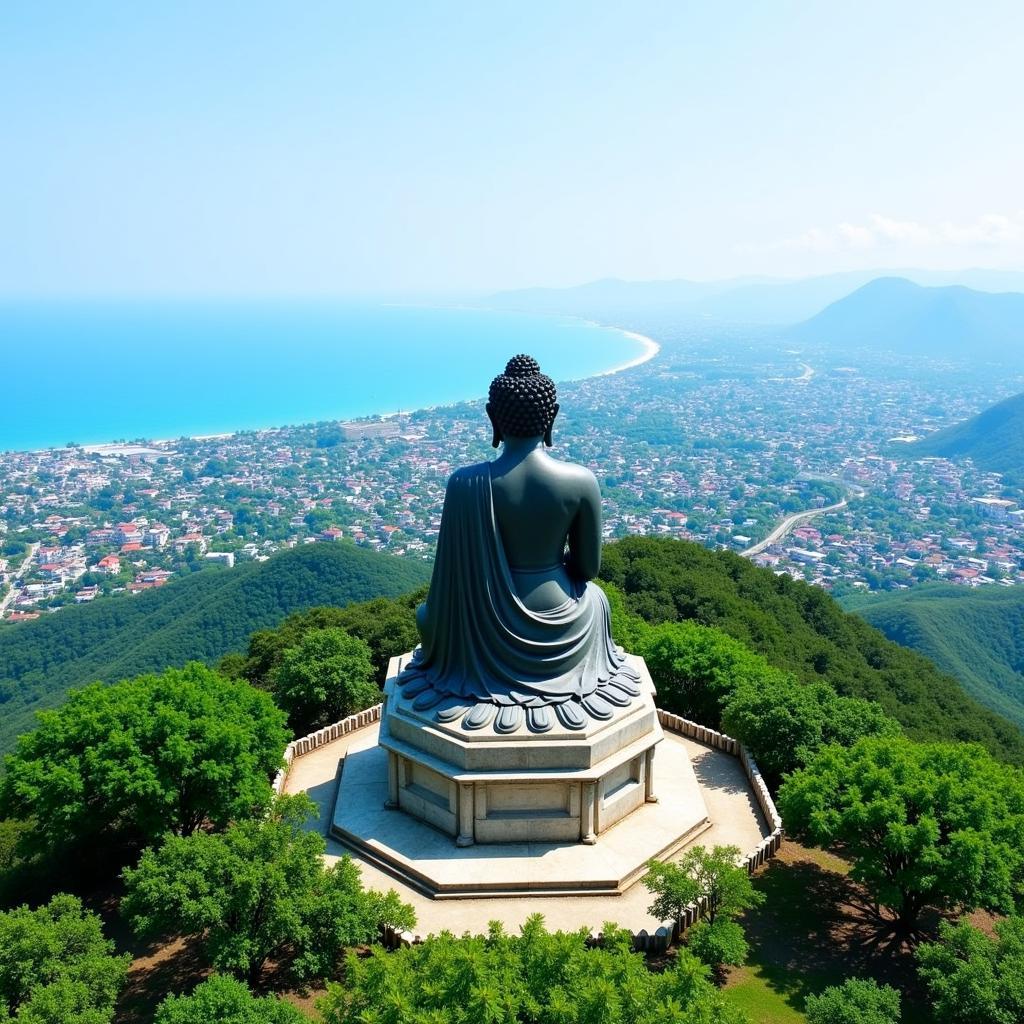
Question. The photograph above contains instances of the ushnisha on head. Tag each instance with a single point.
(522, 401)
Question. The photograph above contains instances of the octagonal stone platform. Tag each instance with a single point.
(732, 805)
(425, 859)
(485, 785)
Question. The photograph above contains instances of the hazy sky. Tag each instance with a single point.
(218, 147)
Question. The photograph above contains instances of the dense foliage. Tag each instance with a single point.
(800, 629)
(386, 625)
(259, 891)
(856, 1001)
(536, 976)
(123, 764)
(706, 675)
(225, 1000)
(972, 978)
(974, 633)
(783, 722)
(56, 967)
(195, 618)
(326, 676)
(925, 824)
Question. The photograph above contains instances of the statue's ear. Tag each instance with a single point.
(496, 436)
(547, 433)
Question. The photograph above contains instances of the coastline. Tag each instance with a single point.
(651, 348)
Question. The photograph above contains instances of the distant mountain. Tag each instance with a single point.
(994, 438)
(897, 315)
(976, 635)
(754, 300)
(198, 617)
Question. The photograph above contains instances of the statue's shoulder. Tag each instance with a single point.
(576, 477)
(468, 475)
(574, 471)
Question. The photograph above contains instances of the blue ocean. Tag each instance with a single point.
(92, 372)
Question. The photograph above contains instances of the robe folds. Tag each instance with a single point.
(480, 643)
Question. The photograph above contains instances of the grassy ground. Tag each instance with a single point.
(817, 928)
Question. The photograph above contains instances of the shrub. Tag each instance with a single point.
(856, 1001)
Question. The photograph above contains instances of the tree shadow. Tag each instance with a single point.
(160, 968)
(818, 927)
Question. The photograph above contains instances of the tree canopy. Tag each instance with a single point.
(126, 763)
(536, 976)
(259, 891)
(225, 1000)
(783, 722)
(925, 824)
(198, 617)
(974, 979)
(799, 629)
(56, 966)
(326, 676)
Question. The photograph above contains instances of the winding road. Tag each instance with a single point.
(788, 524)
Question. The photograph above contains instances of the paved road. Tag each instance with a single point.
(787, 524)
(11, 594)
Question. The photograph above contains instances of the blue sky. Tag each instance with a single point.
(255, 148)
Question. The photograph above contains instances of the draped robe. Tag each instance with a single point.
(480, 643)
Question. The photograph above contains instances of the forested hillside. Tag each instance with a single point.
(801, 629)
(994, 438)
(976, 635)
(198, 617)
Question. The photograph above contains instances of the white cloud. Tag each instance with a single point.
(856, 236)
(990, 229)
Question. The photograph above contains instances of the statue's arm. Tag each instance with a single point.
(584, 560)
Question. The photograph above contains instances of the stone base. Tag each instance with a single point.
(482, 786)
(426, 859)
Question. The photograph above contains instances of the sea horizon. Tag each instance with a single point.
(159, 371)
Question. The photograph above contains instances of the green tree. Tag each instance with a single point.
(56, 967)
(226, 1001)
(974, 979)
(534, 977)
(712, 876)
(856, 1001)
(718, 944)
(925, 824)
(696, 668)
(175, 752)
(259, 891)
(326, 676)
(782, 722)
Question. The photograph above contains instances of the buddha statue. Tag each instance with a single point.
(513, 631)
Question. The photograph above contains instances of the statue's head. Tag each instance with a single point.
(521, 401)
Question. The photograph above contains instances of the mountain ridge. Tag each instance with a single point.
(976, 635)
(895, 314)
(993, 439)
(754, 299)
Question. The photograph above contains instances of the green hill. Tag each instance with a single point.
(800, 628)
(897, 315)
(975, 635)
(198, 617)
(994, 438)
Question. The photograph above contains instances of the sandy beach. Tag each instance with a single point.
(651, 349)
